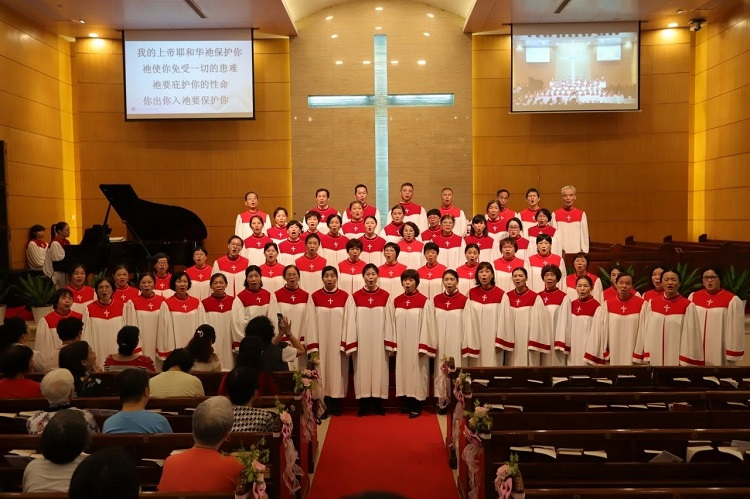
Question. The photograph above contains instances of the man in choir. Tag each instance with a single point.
(557, 305)
(233, 266)
(293, 247)
(528, 214)
(581, 266)
(200, 274)
(447, 208)
(572, 225)
(162, 277)
(360, 194)
(322, 207)
(504, 213)
(241, 224)
(722, 317)
(311, 264)
(431, 273)
(506, 263)
(350, 270)
(412, 211)
(433, 225)
(526, 336)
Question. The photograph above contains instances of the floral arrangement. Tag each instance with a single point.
(463, 383)
(313, 361)
(284, 412)
(305, 379)
(478, 426)
(508, 482)
(251, 477)
(442, 383)
(461, 391)
(292, 469)
(479, 420)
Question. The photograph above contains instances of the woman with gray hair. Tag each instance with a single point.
(57, 388)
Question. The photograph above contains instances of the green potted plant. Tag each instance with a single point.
(37, 291)
(737, 283)
(689, 282)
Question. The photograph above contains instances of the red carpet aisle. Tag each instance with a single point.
(391, 452)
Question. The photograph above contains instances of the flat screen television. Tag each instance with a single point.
(575, 67)
(188, 74)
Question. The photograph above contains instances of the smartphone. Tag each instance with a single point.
(280, 318)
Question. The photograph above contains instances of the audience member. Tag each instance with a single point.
(15, 332)
(15, 363)
(134, 418)
(69, 330)
(201, 347)
(109, 473)
(58, 388)
(127, 342)
(80, 359)
(242, 383)
(175, 380)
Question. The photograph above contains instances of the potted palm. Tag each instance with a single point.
(37, 291)
(737, 283)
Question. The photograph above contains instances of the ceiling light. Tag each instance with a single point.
(334, 35)
(365, 62)
(339, 63)
(426, 33)
(94, 35)
(430, 15)
(394, 62)
(680, 11)
(82, 21)
(378, 28)
(672, 25)
(329, 18)
(378, 8)
(421, 62)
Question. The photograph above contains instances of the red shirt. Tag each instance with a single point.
(20, 389)
(200, 470)
(142, 362)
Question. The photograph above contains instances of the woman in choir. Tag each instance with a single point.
(200, 274)
(433, 225)
(372, 244)
(587, 319)
(36, 249)
(624, 319)
(468, 271)
(201, 347)
(481, 238)
(541, 259)
(451, 245)
(515, 228)
(454, 335)
(311, 264)
(543, 226)
(495, 225)
(333, 244)
(179, 317)
(488, 312)
(47, 342)
(656, 282)
(278, 232)
(56, 252)
(506, 263)
(218, 307)
(295, 304)
(123, 291)
(292, 247)
(312, 224)
(526, 336)
(390, 272)
(162, 277)
(411, 248)
(350, 270)
(392, 232)
(143, 311)
(127, 342)
(82, 294)
(431, 273)
(253, 301)
(370, 342)
(722, 315)
(103, 319)
(557, 304)
(232, 265)
(355, 227)
(334, 317)
(272, 271)
(581, 266)
(415, 343)
(611, 292)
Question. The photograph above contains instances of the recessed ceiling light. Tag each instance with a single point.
(82, 21)
(94, 35)
(680, 11)
(339, 62)
(421, 62)
(426, 33)
(378, 28)
(378, 8)
(430, 15)
(672, 25)
(394, 62)
(329, 18)
(365, 62)
(334, 35)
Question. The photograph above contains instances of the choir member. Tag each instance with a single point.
(587, 319)
(415, 343)
(656, 282)
(255, 242)
(241, 227)
(333, 244)
(431, 273)
(390, 272)
(322, 207)
(36, 249)
(295, 304)
(233, 266)
(506, 263)
(672, 336)
(514, 229)
(278, 231)
(581, 267)
(488, 312)
(312, 224)
(392, 232)
(528, 214)
(82, 294)
(56, 252)
(350, 270)
(162, 277)
(293, 247)
(411, 248)
(447, 208)
(412, 211)
(103, 319)
(526, 336)
(253, 301)
(218, 308)
(572, 225)
(272, 271)
(355, 226)
(123, 291)
(504, 213)
(722, 317)
(543, 226)
(480, 237)
(454, 335)
(360, 194)
(451, 244)
(335, 315)
(200, 274)
(495, 224)
(47, 341)
(624, 319)
(611, 291)
(372, 244)
(433, 225)
(311, 264)
(370, 342)
(557, 305)
(543, 257)
(179, 317)
(468, 271)
(144, 313)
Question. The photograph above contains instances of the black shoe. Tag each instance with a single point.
(415, 414)
(406, 405)
(378, 407)
(364, 408)
(443, 411)
(323, 416)
(333, 407)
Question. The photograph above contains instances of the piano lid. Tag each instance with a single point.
(151, 221)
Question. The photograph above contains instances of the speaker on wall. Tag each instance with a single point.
(4, 229)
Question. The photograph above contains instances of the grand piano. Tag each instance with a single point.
(152, 228)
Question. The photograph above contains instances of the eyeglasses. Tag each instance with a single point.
(710, 277)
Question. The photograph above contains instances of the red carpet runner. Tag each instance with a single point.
(389, 453)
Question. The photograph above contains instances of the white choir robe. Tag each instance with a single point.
(486, 247)
(557, 305)
(298, 307)
(496, 229)
(200, 281)
(369, 342)
(504, 272)
(354, 230)
(47, 342)
(219, 315)
(234, 271)
(414, 332)
(324, 216)
(488, 311)
(535, 264)
(389, 278)
(372, 250)
(596, 292)
(311, 272)
(247, 306)
(451, 250)
(161, 285)
(273, 277)
(367, 210)
(333, 249)
(289, 251)
(101, 323)
(144, 314)
(55, 253)
(391, 233)
(722, 320)
(36, 251)
(526, 335)
(587, 319)
(242, 223)
(350, 276)
(335, 315)
(615, 343)
(431, 279)
(459, 219)
(253, 249)
(81, 298)
(535, 230)
(672, 336)
(412, 213)
(572, 230)
(278, 234)
(411, 254)
(524, 249)
(466, 278)
(453, 332)
(178, 320)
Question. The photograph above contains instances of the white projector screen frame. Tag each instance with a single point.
(188, 74)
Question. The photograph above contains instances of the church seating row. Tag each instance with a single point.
(143, 495)
(210, 381)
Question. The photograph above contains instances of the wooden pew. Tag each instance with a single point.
(701, 378)
(143, 495)
(180, 405)
(210, 381)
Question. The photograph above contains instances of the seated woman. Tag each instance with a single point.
(57, 388)
(15, 332)
(80, 359)
(127, 342)
(62, 444)
(108, 473)
(36, 250)
(15, 363)
(202, 349)
(174, 381)
(242, 384)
